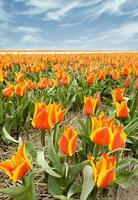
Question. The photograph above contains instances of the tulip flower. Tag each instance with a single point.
(63, 78)
(115, 75)
(127, 82)
(100, 131)
(90, 104)
(19, 77)
(42, 116)
(90, 78)
(67, 142)
(118, 94)
(45, 83)
(105, 170)
(20, 89)
(18, 166)
(8, 91)
(122, 109)
(117, 137)
(57, 113)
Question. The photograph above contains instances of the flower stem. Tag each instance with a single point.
(95, 151)
(43, 138)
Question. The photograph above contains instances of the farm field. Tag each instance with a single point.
(68, 125)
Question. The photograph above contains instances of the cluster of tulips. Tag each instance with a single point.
(82, 156)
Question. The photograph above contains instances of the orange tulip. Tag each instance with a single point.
(8, 91)
(118, 94)
(57, 113)
(100, 132)
(115, 75)
(18, 166)
(127, 82)
(45, 83)
(63, 78)
(105, 170)
(90, 104)
(122, 109)
(90, 78)
(42, 116)
(21, 88)
(67, 142)
(117, 137)
(19, 77)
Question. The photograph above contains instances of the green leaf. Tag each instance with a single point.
(31, 150)
(8, 136)
(124, 179)
(75, 170)
(13, 191)
(43, 163)
(125, 163)
(132, 126)
(88, 182)
(30, 186)
(54, 157)
(54, 186)
(61, 197)
(73, 189)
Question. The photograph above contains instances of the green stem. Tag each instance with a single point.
(95, 193)
(43, 138)
(95, 151)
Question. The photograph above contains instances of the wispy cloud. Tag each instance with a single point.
(115, 38)
(3, 13)
(32, 39)
(27, 29)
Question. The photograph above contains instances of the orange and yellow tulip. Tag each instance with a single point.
(122, 109)
(117, 137)
(100, 131)
(21, 88)
(57, 113)
(105, 170)
(127, 82)
(42, 116)
(8, 91)
(18, 166)
(19, 77)
(118, 94)
(90, 104)
(67, 142)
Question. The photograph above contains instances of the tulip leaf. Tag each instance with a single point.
(8, 136)
(124, 179)
(13, 191)
(31, 150)
(43, 163)
(75, 187)
(75, 170)
(88, 182)
(53, 156)
(30, 186)
(61, 197)
(132, 126)
(55, 185)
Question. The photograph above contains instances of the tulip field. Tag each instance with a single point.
(68, 125)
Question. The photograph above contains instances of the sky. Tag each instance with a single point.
(69, 24)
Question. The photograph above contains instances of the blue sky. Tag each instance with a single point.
(69, 24)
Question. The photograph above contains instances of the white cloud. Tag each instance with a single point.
(27, 29)
(32, 39)
(121, 37)
(3, 13)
